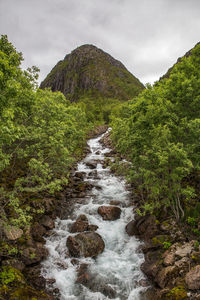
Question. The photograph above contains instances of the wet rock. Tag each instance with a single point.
(93, 174)
(92, 227)
(109, 213)
(115, 202)
(98, 187)
(80, 175)
(98, 152)
(80, 225)
(131, 228)
(91, 164)
(62, 265)
(143, 283)
(74, 261)
(13, 233)
(83, 276)
(93, 282)
(50, 281)
(15, 263)
(192, 278)
(87, 244)
(47, 222)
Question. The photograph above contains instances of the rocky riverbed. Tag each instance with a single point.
(90, 254)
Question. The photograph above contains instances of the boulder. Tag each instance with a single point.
(87, 244)
(13, 233)
(109, 213)
(80, 225)
(83, 275)
(131, 228)
(192, 278)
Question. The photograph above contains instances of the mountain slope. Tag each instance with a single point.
(89, 70)
(187, 54)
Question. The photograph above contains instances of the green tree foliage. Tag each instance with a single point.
(159, 132)
(41, 135)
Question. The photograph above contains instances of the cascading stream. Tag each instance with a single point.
(118, 267)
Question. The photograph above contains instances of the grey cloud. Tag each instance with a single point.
(146, 35)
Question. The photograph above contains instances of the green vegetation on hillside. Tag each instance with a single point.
(42, 134)
(159, 133)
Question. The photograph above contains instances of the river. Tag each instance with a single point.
(118, 267)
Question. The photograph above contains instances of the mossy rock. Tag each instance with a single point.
(177, 293)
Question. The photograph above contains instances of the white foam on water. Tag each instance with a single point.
(119, 265)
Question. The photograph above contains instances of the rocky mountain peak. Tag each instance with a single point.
(88, 69)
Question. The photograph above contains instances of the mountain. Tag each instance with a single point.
(187, 54)
(89, 70)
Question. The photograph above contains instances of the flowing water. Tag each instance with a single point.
(118, 267)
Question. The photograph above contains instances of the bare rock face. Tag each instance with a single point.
(192, 278)
(109, 213)
(87, 244)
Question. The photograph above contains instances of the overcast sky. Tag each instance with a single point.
(147, 36)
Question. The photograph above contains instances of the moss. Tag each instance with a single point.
(177, 293)
(11, 276)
